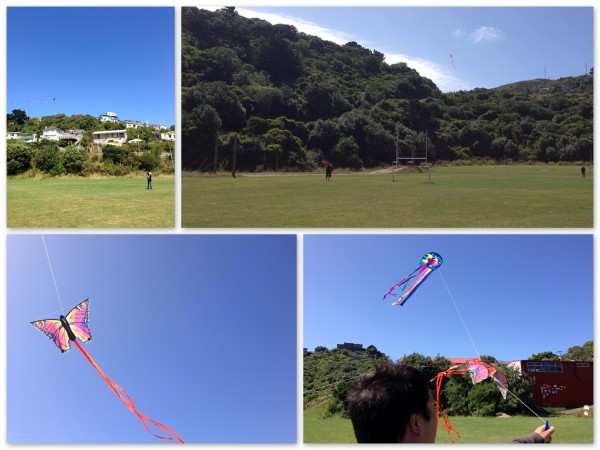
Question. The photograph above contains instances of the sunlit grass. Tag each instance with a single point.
(537, 196)
(90, 203)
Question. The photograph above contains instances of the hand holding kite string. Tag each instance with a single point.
(74, 326)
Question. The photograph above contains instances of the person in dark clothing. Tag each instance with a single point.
(583, 171)
(394, 405)
(328, 171)
(149, 178)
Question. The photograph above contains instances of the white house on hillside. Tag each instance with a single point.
(132, 123)
(115, 137)
(168, 136)
(18, 136)
(156, 126)
(108, 117)
(52, 133)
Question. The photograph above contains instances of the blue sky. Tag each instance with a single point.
(518, 294)
(200, 330)
(92, 60)
(491, 46)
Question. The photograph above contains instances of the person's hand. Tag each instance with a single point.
(545, 434)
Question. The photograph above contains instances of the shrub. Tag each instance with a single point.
(18, 159)
(47, 158)
(73, 160)
(114, 154)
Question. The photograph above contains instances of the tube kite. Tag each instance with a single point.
(423, 269)
(478, 371)
(75, 326)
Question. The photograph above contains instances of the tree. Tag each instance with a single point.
(583, 353)
(428, 366)
(47, 158)
(114, 154)
(545, 356)
(74, 159)
(18, 117)
(18, 158)
(483, 399)
(521, 385)
(345, 154)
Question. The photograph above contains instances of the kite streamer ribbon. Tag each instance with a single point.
(126, 399)
(454, 370)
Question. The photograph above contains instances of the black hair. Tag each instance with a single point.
(383, 401)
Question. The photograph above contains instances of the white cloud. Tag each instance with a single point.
(439, 74)
(484, 34)
(481, 34)
(459, 33)
(336, 36)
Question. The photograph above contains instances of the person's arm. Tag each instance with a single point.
(539, 436)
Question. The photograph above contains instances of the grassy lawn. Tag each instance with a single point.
(538, 196)
(472, 430)
(90, 203)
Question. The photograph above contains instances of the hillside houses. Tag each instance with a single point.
(100, 137)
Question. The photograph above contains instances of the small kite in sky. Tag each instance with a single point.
(452, 61)
(75, 326)
(423, 269)
(49, 100)
(478, 371)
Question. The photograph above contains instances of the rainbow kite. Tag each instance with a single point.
(427, 264)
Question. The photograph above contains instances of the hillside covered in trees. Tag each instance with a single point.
(271, 98)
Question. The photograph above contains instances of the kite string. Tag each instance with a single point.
(52, 272)
(460, 315)
(521, 401)
(477, 351)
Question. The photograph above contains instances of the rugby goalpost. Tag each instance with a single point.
(411, 159)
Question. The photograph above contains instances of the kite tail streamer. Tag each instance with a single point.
(454, 370)
(120, 392)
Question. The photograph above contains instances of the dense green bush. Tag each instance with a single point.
(47, 158)
(74, 159)
(114, 154)
(18, 158)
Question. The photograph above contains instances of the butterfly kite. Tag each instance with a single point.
(73, 327)
(478, 371)
(409, 285)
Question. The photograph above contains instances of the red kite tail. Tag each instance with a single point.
(120, 392)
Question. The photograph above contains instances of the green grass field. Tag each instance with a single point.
(537, 196)
(90, 203)
(569, 429)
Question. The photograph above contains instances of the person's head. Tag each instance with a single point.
(393, 404)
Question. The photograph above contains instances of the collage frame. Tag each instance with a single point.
(301, 234)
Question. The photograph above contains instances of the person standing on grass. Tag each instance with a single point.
(149, 178)
(394, 405)
(328, 171)
(583, 171)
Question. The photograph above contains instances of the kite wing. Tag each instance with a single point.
(78, 319)
(479, 370)
(500, 380)
(409, 285)
(53, 329)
